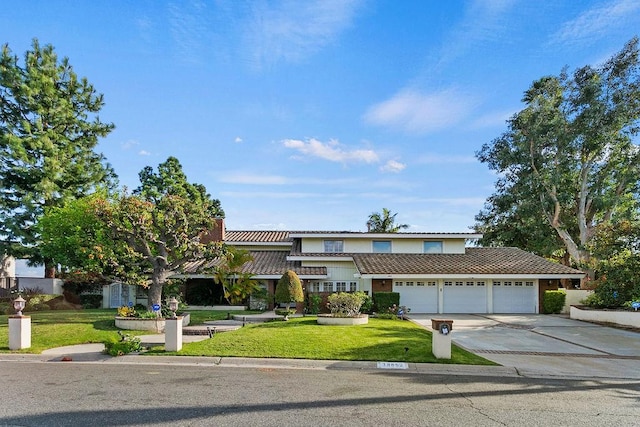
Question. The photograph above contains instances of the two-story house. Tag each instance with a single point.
(432, 272)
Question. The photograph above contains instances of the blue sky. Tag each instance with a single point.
(311, 115)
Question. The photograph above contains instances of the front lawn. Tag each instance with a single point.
(299, 338)
(303, 338)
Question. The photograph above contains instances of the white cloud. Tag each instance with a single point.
(129, 144)
(393, 166)
(492, 119)
(331, 150)
(238, 177)
(292, 30)
(415, 112)
(238, 140)
(144, 153)
(597, 21)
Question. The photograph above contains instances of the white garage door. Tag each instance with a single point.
(419, 296)
(465, 297)
(514, 297)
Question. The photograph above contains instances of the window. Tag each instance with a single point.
(432, 247)
(528, 283)
(459, 283)
(409, 283)
(381, 246)
(480, 284)
(518, 283)
(315, 286)
(470, 283)
(496, 283)
(341, 286)
(419, 283)
(447, 283)
(327, 286)
(432, 283)
(353, 286)
(334, 246)
(507, 283)
(398, 283)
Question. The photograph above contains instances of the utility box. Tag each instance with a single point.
(441, 338)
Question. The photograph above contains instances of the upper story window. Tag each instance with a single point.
(334, 246)
(432, 246)
(382, 246)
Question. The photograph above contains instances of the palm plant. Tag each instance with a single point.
(384, 222)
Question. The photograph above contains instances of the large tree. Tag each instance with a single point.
(568, 164)
(49, 127)
(384, 222)
(141, 238)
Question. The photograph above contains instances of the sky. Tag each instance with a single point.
(311, 115)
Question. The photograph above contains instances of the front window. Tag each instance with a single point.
(432, 247)
(334, 246)
(382, 246)
(341, 286)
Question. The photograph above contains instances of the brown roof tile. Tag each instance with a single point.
(474, 261)
(255, 236)
(265, 263)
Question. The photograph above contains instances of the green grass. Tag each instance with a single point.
(299, 338)
(303, 338)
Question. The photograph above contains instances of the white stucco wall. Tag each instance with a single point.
(7, 266)
(398, 245)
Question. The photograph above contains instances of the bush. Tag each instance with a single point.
(344, 304)
(382, 301)
(553, 301)
(126, 345)
(91, 301)
(313, 303)
(611, 295)
(289, 288)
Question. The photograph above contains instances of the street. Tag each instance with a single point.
(97, 394)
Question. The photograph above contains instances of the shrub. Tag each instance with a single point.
(314, 302)
(344, 304)
(383, 300)
(91, 301)
(289, 288)
(611, 295)
(124, 346)
(553, 301)
(394, 312)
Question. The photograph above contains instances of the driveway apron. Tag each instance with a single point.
(546, 345)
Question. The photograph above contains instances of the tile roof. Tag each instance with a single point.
(265, 263)
(473, 261)
(255, 236)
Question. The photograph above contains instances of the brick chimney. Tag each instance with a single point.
(215, 235)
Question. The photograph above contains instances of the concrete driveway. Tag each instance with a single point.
(546, 345)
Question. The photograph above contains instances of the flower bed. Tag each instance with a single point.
(624, 318)
(155, 325)
(329, 319)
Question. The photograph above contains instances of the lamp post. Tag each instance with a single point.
(173, 328)
(19, 326)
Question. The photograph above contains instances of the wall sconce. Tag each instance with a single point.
(19, 304)
(383, 283)
(173, 306)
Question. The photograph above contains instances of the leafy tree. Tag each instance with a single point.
(289, 288)
(137, 238)
(49, 127)
(567, 164)
(237, 285)
(384, 222)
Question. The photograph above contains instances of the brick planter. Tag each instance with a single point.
(328, 319)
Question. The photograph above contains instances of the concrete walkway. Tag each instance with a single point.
(546, 345)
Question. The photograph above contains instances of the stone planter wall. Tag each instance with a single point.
(625, 318)
(155, 325)
(328, 319)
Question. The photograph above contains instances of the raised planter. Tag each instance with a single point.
(155, 325)
(624, 318)
(328, 319)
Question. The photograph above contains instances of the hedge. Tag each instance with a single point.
(553, 301)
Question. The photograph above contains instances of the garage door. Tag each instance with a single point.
(514, 297)
(464, 297)
(419, 296)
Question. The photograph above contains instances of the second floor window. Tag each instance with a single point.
(382, 246)
(333, 246)
(432, 247)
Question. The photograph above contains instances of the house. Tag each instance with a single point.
(432, 272)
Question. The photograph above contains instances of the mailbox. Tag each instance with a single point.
(443, 326)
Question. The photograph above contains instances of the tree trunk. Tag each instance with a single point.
(154, 295)
(49, 269)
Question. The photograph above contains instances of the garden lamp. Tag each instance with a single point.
(173, 306)
(18, 305)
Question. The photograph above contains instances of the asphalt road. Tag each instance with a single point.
(98, 394)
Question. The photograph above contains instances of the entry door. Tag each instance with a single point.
(118, 295)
